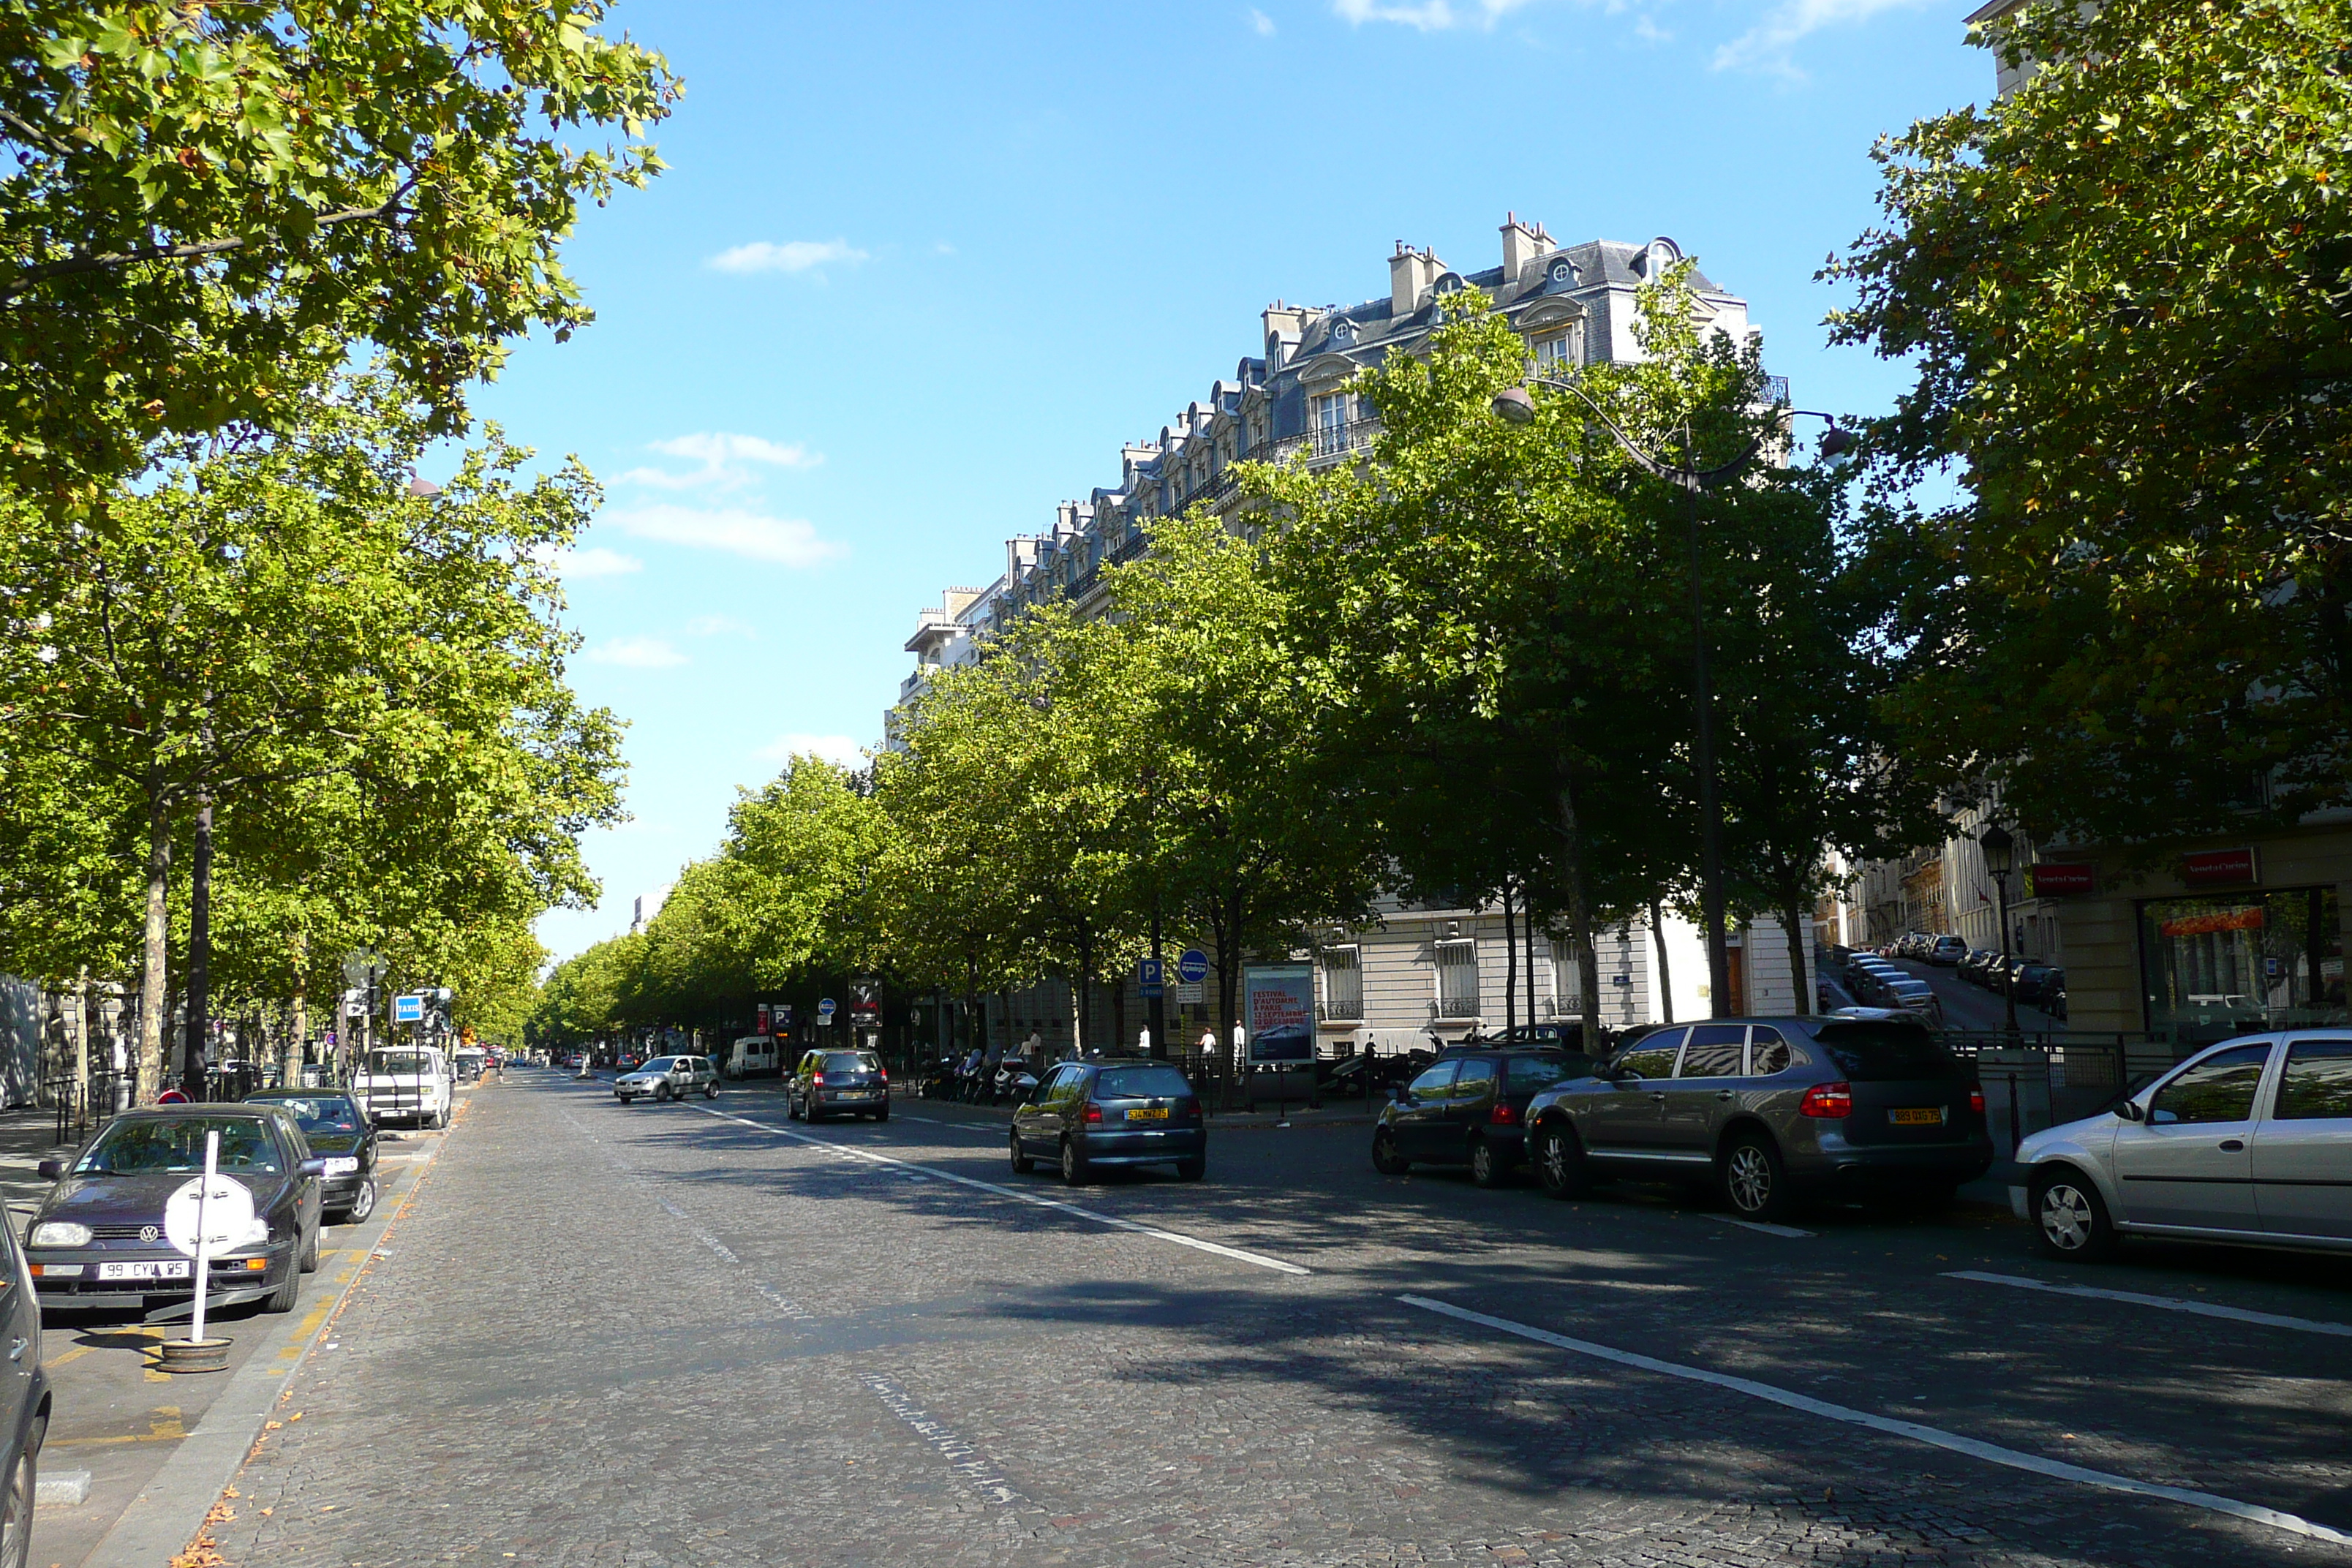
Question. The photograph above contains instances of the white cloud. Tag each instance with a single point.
(720, 626)
(786, 540)
(636, 653)
(838, 749)
(1765, 47)
(726, 460)
(792, 256)
(592, 561)
(1428, 16)
(1262, 22)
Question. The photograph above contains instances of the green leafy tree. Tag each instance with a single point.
(208, 205)
(2125, 289)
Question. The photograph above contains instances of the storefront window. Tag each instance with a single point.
(2213, 967)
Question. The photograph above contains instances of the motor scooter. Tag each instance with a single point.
(1013, 1082)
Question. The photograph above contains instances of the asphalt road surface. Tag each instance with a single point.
(699, 1334)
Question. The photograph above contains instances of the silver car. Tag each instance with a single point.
(668, 1078)
(2249, 1142)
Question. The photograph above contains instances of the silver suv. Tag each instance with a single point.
(1769, 1110)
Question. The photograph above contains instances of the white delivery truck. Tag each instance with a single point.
(406, 1083)
(752, 1054)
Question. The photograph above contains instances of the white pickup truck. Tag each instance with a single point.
(407, 1083)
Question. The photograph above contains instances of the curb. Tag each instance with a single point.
(167, 1514)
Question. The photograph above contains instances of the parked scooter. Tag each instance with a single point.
(1014, 1083)
(938, 1081)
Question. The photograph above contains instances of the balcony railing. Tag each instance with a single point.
(1340, 1011)
(1455, 1004)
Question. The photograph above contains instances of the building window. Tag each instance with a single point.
(2213, 967)
(1567, 987)
(1343, 983)
(1555, 353)
(1457, 979)
(1331, 423)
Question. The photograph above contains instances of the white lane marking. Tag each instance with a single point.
(2169, 1304)
(1934, 1437)
(1256, 1259)
(1767, 1226)
(961, 1457)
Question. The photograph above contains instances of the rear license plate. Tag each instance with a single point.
(856, 1094)
(1148, 1113)
(1926, 1116)
(162, 1271)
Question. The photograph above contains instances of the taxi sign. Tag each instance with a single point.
(409, 1009)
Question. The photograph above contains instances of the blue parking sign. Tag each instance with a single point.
(1150, 972)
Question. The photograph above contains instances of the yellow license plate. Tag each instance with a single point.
(1932, 1116)
(1148, 1113)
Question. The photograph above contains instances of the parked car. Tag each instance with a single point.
(668, 1078)
(1556, 1035)
(1918, 996)
(1947, 952)
(23, 1401)
(1771, 1112)
(1117, 1112)
(2249, 1142)
(337, 1129)
(1469, 1107)
(98, 1238)
(407, 1083)
(2036, 981)
(1972, 968)
(844, 1080)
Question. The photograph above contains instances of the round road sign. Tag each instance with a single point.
(229, 1214)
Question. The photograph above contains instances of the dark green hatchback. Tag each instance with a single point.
(1088, 1114)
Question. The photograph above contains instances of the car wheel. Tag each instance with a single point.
(309, 1262)
(1074, 1163)
(284, 1299)
(1385, 1158)
(1755, 1182)
(809, 1113)
(2069, 1219)
(1193, 1169)
(883, 1114)
(1022, 1163)
(661, 1091)
(710, 1089)
(1488, 1168)
(363, 1202)
(792, 1107)
(17, 1508)
(1560, 1162)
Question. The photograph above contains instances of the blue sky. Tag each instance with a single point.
(917, 270)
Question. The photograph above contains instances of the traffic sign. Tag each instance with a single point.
(1192, 966)
(408, 1009)
(1149, 973)
(825, 1010)
(229, 1214)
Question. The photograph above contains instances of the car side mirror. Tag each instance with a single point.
(50, 1170)
(1401, 1093)
(2130, 1112)
(313, 1167)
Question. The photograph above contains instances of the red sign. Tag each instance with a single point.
(2219, 867)
(2058, 879)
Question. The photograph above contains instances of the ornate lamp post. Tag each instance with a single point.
(1999, 850)
(1517, 406)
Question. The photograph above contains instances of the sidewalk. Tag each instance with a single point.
(28, 1137)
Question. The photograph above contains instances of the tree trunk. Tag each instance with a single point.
(1792, 917)
(1665, 979)
(200, 952)
(1118, 1014)
(1511, 966)
(1580, 916)
(154, 957)
(298, 1017)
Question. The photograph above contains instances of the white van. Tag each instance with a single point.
(752, 1054)
(410, 1083)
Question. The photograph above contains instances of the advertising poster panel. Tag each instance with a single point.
(1278, 1006)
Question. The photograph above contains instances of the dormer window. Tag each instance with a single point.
(1343, 334)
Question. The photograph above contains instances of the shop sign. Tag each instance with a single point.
(2220, 868)
(2060, 879)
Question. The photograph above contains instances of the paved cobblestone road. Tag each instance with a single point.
(675, 1335)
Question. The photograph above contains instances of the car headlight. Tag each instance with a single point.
(60, 1233)
(256, 1234)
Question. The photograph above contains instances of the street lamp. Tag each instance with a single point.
(1999, 850)
(1516, 406)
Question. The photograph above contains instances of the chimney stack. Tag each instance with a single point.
(1522, 243)
(1411, 272)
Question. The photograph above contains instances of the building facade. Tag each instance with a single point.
(1418, 972)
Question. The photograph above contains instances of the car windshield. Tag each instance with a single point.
(412, 1062)
(1880, 1051)
(166, 1145)
(851, 1061)
(323, 1113)
(1140, 1083)
(659, 1064)
(1531, 1073)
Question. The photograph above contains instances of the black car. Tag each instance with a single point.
(2037, 981)
(337, 1129)
(1558, 1034)
(1131, 1112)
(1469, 1107)
(852, 1082)
(98, 1238)
(23, 1401)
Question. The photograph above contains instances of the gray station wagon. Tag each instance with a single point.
(1769, 1110)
